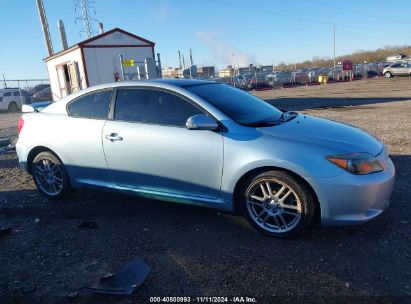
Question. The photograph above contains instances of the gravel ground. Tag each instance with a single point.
(202, 252)
(8, 124)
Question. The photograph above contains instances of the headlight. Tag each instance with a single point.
(357, 163)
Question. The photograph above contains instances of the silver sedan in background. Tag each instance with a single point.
(397, 69)
(208, 144)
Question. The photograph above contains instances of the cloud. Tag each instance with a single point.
(223, 53)
(161, 12)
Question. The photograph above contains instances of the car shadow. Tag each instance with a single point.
(306, 103)
(8, 163)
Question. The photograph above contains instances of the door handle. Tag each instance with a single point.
(113, 137)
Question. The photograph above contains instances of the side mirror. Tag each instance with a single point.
(25, 108)
(201, 122)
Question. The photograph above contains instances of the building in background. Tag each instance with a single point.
(227, 72)
(172, 72)
(96, 60)
(247, 70)
(205, 72)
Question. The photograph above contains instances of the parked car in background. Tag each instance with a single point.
(43, 95)
(226, 80)
(241, 81)
(38, 88)
(258, 81)
(372, 74)
(279, 78)
(397, 69)
(35, 106)
(301, 76)
(11, 99)
(208, 144)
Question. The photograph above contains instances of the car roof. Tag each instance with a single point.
(46, 89)
(182, 82)
(10, 89)
(156, 82)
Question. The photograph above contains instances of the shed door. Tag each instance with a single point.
(73, 72)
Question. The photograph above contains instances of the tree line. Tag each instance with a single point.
(360, 56)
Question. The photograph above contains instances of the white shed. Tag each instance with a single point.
(96, 61)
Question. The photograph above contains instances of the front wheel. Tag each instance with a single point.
(12, 107)
(277, 204)
(387, 74)
(50, 176)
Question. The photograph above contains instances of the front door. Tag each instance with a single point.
(147, 146)
(397, 69)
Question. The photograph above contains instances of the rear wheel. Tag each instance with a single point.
(277, 204)
(387, 74)
(12, 107)
(50, 176)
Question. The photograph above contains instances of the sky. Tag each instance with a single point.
(220, 32)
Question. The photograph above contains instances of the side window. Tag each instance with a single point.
(16, 93)
(153, 106)
(396, 65)
(93, 105)
(7, 94)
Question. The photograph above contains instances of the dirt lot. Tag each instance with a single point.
(202, 252)
(8, 124)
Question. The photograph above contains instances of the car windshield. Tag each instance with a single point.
(240, 106)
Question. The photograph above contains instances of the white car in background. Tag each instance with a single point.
(12, 99)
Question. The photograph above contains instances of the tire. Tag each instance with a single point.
(12, 107)
(287, 212)
(50, 176)
(388, 74)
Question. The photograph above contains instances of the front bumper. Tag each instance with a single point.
(349, 199)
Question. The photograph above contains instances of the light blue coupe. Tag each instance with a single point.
(204, 143)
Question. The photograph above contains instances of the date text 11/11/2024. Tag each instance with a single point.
(238, 299)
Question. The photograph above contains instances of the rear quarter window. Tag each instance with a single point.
(93, 105)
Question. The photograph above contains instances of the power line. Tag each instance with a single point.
(358, 35)
(264, 11)
(358, 12)
(85, 11)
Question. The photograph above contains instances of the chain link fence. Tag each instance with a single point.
(16, 92)
(258, 79)
(23, 84)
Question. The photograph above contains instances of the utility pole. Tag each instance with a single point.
(179, 60)
(5, 83)
(45, 27)
(334, 52)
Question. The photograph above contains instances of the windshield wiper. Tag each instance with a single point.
(286, 116)
(262, 124)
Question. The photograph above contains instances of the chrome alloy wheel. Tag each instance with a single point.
(49, 177)
(273, 205)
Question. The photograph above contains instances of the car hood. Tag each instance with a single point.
(337, 136)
